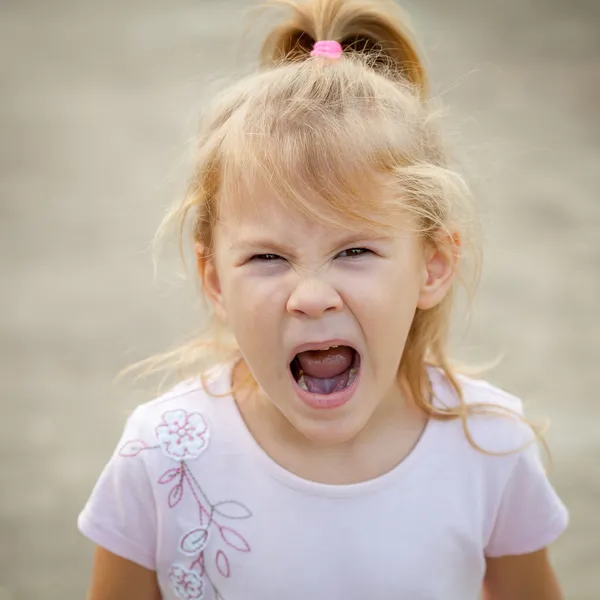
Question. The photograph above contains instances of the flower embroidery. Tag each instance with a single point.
(182, 435)
(187, 585)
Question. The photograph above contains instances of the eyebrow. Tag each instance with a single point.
(282, 248)
(263, 244)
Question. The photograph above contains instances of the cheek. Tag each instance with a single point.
(253, 304)
(401, 301)
(385, 305)
(386, 287)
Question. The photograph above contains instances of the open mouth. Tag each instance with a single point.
(326, 371)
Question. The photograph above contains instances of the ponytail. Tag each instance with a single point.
(361, 27)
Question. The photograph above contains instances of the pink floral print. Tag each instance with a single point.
(187, 585)
(184, 436)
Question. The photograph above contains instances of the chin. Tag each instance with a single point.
(329, 427)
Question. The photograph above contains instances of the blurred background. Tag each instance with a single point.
(99, 105)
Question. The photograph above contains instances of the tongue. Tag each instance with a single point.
(326, 363)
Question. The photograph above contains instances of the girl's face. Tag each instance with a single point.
(306, 301)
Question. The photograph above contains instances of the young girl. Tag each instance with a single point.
(329, 452)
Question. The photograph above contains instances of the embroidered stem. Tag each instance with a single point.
(189, 476)
(218, 595)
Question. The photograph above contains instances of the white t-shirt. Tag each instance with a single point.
(190, 494)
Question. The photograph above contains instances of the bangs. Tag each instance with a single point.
(331, 166)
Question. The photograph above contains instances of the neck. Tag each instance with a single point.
(387, 438)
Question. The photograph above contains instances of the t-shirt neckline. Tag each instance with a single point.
(314, 488)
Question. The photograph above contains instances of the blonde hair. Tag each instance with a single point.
(311, 123)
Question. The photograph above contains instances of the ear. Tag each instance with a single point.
(441, 260)
(210, 281)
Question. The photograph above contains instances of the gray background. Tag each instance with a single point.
(98, 109)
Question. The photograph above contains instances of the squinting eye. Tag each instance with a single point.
(266, 257)
(353, 252)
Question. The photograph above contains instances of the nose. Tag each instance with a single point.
(313, 298)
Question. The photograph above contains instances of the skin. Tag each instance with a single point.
(529, 576)
(280, 280)
(115, 578)
(526, 577)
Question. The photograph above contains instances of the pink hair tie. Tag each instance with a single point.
(327, 49)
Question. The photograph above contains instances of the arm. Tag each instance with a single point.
(525, 520)
(116, 578)
(120, 519)
(524, 577)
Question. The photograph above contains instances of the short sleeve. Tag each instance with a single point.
(120, 514)
(530, 515)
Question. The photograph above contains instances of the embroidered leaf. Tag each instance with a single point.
(175, 495)
(234, 539)
(232, 510)
(223, 563)
(132, 448)
(194, 541)
(169, 475)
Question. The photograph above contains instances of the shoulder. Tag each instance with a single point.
(200, 391)
(497, 447)
(180, 421)
(160, 441)
(475, 391)
(495, 419)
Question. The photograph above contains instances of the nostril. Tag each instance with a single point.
(313, 298)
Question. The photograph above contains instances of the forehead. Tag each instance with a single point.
(262, 212)
(298, 209)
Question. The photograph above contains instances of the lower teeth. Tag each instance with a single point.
(351, 377)
(353, 374)
(302, 384)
